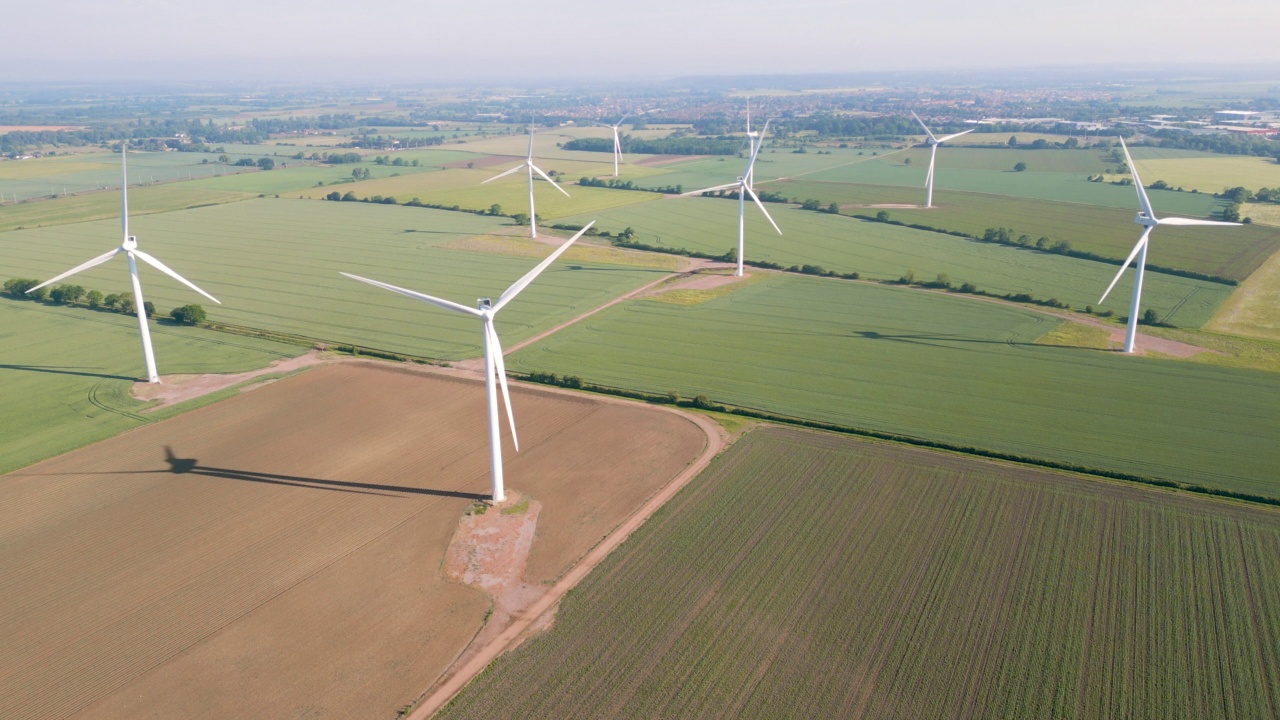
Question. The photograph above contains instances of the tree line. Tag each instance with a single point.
(19, 289)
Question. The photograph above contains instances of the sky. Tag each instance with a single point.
(431, 41)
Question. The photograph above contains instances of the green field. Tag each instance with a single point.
(812, 576)
(66, 373)
(965, 372)
(42, 177)
(886, 252)
(1042, 183)
(1207, 172)
(106, 204)
(1110, 232)
(275, 263)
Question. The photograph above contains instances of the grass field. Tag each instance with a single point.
(886, 252)
(961, 371)
(1037, 183)
(1110, 232)
(462, 187)
(274, 264)
(41, 177)
(806, 576)
(1207, 172)
(67, 373)
(1254, 309)
(278, 554)
(106, 204)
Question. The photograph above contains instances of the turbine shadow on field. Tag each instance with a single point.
(192, 466)
(64, 370)
(938, 340)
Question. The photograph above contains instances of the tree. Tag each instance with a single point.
(521, 218)
(833, 208)
(148, 307)
(266, 163)
(1020, 167)
(246, 162)
(882, 216)
(188, 314)
(67, 294)
(224, 159)
(495, 209)
(112, 301)
(1231, 213)
(810, 204)
(18, 287)
(349, 197)
(1013, 141)
(1149, 317)
(943, 281)
(93, 298)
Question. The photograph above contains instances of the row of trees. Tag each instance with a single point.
(19, 289)
(689, 145)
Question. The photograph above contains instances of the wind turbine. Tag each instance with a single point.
(934, 142)
(744, 189)
(528, 164)
(1146, 217)
(129, 246)
(494, 368)
(617, 144)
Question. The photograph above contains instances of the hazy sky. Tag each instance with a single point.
(434, 41)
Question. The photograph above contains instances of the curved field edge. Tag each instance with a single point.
(809, 575)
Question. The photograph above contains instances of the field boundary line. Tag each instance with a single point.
(547, 605)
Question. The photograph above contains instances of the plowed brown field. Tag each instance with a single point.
(278, 554)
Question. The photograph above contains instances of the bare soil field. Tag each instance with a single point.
(280, 554)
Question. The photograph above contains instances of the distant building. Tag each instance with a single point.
(1228, 117)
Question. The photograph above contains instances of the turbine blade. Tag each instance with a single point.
(926, 127)
(710, 189)
(624, 117)
(500, 369)
(504, 174)
(1134, 253)
(548, 179)
(1192, 221)
(956, 135)
(523, 282)
(761, 206)
(1143, 202)
(84, 266)
(124, 191)
(167, 271)
(438, 302)
(530, 143)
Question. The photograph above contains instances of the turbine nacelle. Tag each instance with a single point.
(1145, 220)
(130, 243)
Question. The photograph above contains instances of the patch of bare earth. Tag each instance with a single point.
(279, 554)
(178, 388)
(697, 281)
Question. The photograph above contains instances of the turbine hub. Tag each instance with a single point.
(1145, 220)
(129, 243)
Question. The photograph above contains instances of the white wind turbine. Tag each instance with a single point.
(528, 165)
(934, 142)
(495, 372)
(751, 145)
(1146, 217)
(617, 143)
(129, 246)
(744, 189)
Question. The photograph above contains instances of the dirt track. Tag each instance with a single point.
(278, 554)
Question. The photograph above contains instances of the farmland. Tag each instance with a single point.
(277, 554)
(67, 373)
(886, 252)
(807, 575)
(944, 368)
(1109, 232)
(1207, 172)
(106, 204)
(77, 173)
(274, 264)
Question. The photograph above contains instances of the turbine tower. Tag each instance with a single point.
(1146, 217)
(129, 246)
(495, 372)
(528, 165)
(934, 142)
(617, 143)
(744, 189)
